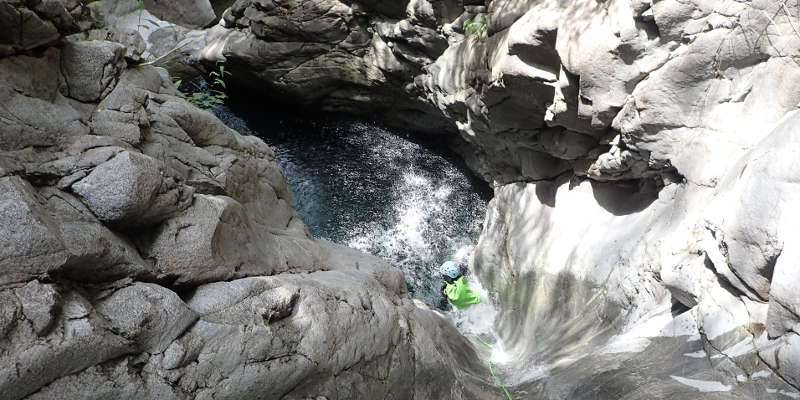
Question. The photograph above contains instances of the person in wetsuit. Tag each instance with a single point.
(455, 288)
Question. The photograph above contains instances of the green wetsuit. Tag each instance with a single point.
(459, 293)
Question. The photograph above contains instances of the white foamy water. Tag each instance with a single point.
(406, 238)
(478, 323)
(478, 319)
(364, 186)
(418, 216)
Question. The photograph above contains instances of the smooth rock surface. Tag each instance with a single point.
(189, 13)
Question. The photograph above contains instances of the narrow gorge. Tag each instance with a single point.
(250, 199)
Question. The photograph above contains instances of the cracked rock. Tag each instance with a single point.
(91, 68)
(32, 244)
(149, 315)
(212, 240)
(40, 305)
(131, 190)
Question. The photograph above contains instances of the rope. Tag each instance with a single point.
(496, 380)
(483, 342)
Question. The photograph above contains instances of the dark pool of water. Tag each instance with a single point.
(400, 197)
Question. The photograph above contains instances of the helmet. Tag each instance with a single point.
(451, 269)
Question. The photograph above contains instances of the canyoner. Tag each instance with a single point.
(456, 287)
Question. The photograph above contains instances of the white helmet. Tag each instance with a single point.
(451, 269)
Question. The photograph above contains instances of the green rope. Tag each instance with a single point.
(496, 380)
(483, 342)
(499, 383)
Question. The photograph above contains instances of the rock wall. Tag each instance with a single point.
(595, 89)
(148, 251)
(643, 157)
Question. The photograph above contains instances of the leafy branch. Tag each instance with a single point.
(214, 94)
(475, 27)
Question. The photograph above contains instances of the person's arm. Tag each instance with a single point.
(444, 301)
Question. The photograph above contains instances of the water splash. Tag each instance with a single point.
(367, 187)
(424, 230)
(479, 320)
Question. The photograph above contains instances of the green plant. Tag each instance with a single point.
(214, 92)
(148, 20)
(474, 27)
(139, 25)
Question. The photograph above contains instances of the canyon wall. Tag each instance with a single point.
(605, 90)
(642, 233)
(147, 251)
(640, 242)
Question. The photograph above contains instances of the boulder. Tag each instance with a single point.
(227, 303)
(114, 379)
(130, 190)
(392, 9)
(96, 253)
(753, 217)
(432, 13)
(41, 305)
(148, 315)
(9, 312)
(31, 122)
(784, 295)
(340, 326)
(321, 21)
(417, 44)
(33, 245)
(210, 241)
(15, 73)
(24, 29)
(188, 13)
(78, 340)
(783, 355)
(91, 69)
